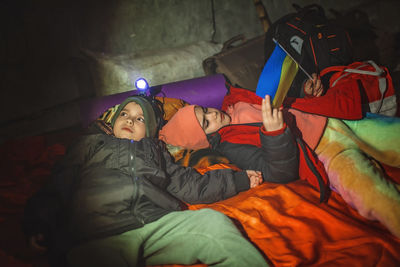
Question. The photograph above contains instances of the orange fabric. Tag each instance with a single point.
(171, 106)
(292, 229)
(184, 130)
(203, 169)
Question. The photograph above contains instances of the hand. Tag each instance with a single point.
(313, 87)
(255, 178)
(272, 118)
(36, 243)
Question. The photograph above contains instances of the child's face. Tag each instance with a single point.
(130, 123)
(211, 119)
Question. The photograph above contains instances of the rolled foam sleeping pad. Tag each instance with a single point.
(207, 91)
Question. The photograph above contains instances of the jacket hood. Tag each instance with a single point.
(148, 113)
(184, 130)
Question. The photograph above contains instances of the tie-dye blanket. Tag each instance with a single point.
(351, 152)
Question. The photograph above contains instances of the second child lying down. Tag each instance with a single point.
(345, 152)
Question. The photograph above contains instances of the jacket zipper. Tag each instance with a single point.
(131, 161)
(135, 180)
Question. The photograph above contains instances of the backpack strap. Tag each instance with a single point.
(381, 81)
(378, 72)
(349, 71)
(332, 69)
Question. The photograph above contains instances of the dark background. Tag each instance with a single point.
(44, 73)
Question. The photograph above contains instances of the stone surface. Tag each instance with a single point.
(43, 67)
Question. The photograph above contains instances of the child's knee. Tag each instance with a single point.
(214, 221)
(213, 216)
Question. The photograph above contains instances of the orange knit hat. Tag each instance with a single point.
(184, 130)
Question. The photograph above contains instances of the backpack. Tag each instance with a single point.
(311, 40)
(375, 83)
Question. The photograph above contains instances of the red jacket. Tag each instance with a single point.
(341, 102)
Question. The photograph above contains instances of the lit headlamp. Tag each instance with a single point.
(142, 85)
(144, 89)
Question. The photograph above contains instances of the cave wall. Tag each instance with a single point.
(44, 70)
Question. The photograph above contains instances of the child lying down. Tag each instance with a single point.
(348, 150)
(118, 200)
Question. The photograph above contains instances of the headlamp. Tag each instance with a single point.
(145, 90)
(142, 85)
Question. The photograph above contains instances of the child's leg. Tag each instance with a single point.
(108, 252)
(184, 237)
(378, 136)
(205, 236)
(356, 178)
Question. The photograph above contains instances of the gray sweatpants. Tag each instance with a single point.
(184, 237)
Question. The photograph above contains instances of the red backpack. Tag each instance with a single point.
(375, 83)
